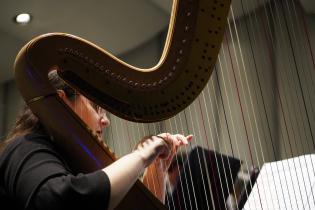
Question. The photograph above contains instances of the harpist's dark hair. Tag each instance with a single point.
(27, 122)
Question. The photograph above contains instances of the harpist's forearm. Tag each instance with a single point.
(124, 172)
(122, 175)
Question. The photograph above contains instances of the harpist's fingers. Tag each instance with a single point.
(189, 137)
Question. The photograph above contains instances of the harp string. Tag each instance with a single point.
(206, 139)
(221, 70)
(155, 184)
(252, 55)
(285, 119)
(269, 39)
(156, 130)
(312, 60)
(131, 142)
(205, 164)
(152, 185)
(296, 89)
(238, 95)
(259, 134)
(281, 134)
(299, 23)
(270, 50)
(307, 143)
(240, 89)
(194, 131)
(189, 116)
(216, 130)
(277, 90)
(304, 127)
(224, 77)
(181, 181)
(206, 143)
(228, 132)
(189, 176)
(302, 145)
(251, 131)
(225, 151)
(144, 133)
(308, 92)
(187, 153)
(240, 66)
(307, 34)
(282, 163)
(255, 76)
(177, 198)
(214, 145)
(240, 103)
(296, 66)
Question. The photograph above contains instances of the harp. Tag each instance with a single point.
(257, 107)
(118, 87)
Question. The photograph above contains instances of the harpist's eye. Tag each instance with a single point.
(96, 107)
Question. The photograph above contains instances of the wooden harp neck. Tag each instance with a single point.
(195, 34)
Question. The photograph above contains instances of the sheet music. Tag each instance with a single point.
(286, 184)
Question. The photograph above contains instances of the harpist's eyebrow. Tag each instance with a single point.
(96, 107)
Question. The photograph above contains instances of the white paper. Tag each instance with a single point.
(286, 184)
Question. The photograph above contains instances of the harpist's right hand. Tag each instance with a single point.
(151, 147)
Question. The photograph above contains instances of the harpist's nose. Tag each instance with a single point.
(104, 120)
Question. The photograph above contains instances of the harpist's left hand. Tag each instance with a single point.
(155, 175)
(174, 141)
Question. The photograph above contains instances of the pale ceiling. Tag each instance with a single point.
(116, 25)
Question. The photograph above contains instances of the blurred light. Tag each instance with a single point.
(23, 18)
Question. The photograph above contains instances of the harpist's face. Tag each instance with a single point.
(94, 116)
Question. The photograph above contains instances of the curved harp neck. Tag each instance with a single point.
(122, 89)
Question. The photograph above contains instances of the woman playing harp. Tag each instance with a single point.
(123, 90)
(34, 175)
